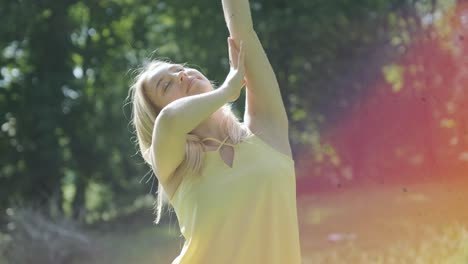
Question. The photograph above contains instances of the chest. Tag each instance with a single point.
(253, 168)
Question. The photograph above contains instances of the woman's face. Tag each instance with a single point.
(170, 82)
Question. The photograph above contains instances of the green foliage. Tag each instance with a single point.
(65, 74)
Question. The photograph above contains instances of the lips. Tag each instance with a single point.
(190, 84)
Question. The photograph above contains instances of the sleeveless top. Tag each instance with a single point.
(242, 214)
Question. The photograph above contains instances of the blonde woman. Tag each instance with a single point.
(231, 184)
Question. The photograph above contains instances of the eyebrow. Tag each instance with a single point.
(157, 85)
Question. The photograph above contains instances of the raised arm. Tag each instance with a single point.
(238, 18)
(265, 112)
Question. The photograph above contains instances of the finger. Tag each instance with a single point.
(230, 53)
(233, 52)
(241, 57)
(233, 43)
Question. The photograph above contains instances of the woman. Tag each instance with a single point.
(232, 185)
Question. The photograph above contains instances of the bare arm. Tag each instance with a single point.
(264, 106)
(181, 116)
(174, 123)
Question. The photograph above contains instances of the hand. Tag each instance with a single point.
(234, 54)
(235, 79)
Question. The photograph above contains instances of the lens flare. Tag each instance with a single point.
(390, 181)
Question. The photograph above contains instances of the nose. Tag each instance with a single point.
(182, 75)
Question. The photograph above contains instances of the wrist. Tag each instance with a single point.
(231, 94)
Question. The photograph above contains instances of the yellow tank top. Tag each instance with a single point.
(241, 214)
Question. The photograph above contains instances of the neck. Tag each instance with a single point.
(210, 127)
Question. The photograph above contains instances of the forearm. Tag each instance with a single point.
(239, 21)
(188, 112)
(238, 18)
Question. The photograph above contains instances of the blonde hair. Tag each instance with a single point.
(143, 117)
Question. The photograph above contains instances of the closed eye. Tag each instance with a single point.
(167, 85)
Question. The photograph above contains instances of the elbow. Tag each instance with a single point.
(172, 120)
(170, 112)
(165, 120)
(165, 113)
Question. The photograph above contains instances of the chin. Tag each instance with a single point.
(205, 86)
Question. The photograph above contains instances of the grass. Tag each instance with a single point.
(437, 245)
(146, 245)
(423, 223)
(418, 224)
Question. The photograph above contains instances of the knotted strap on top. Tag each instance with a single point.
(220, 143)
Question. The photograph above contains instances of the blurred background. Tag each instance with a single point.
(375, 90)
